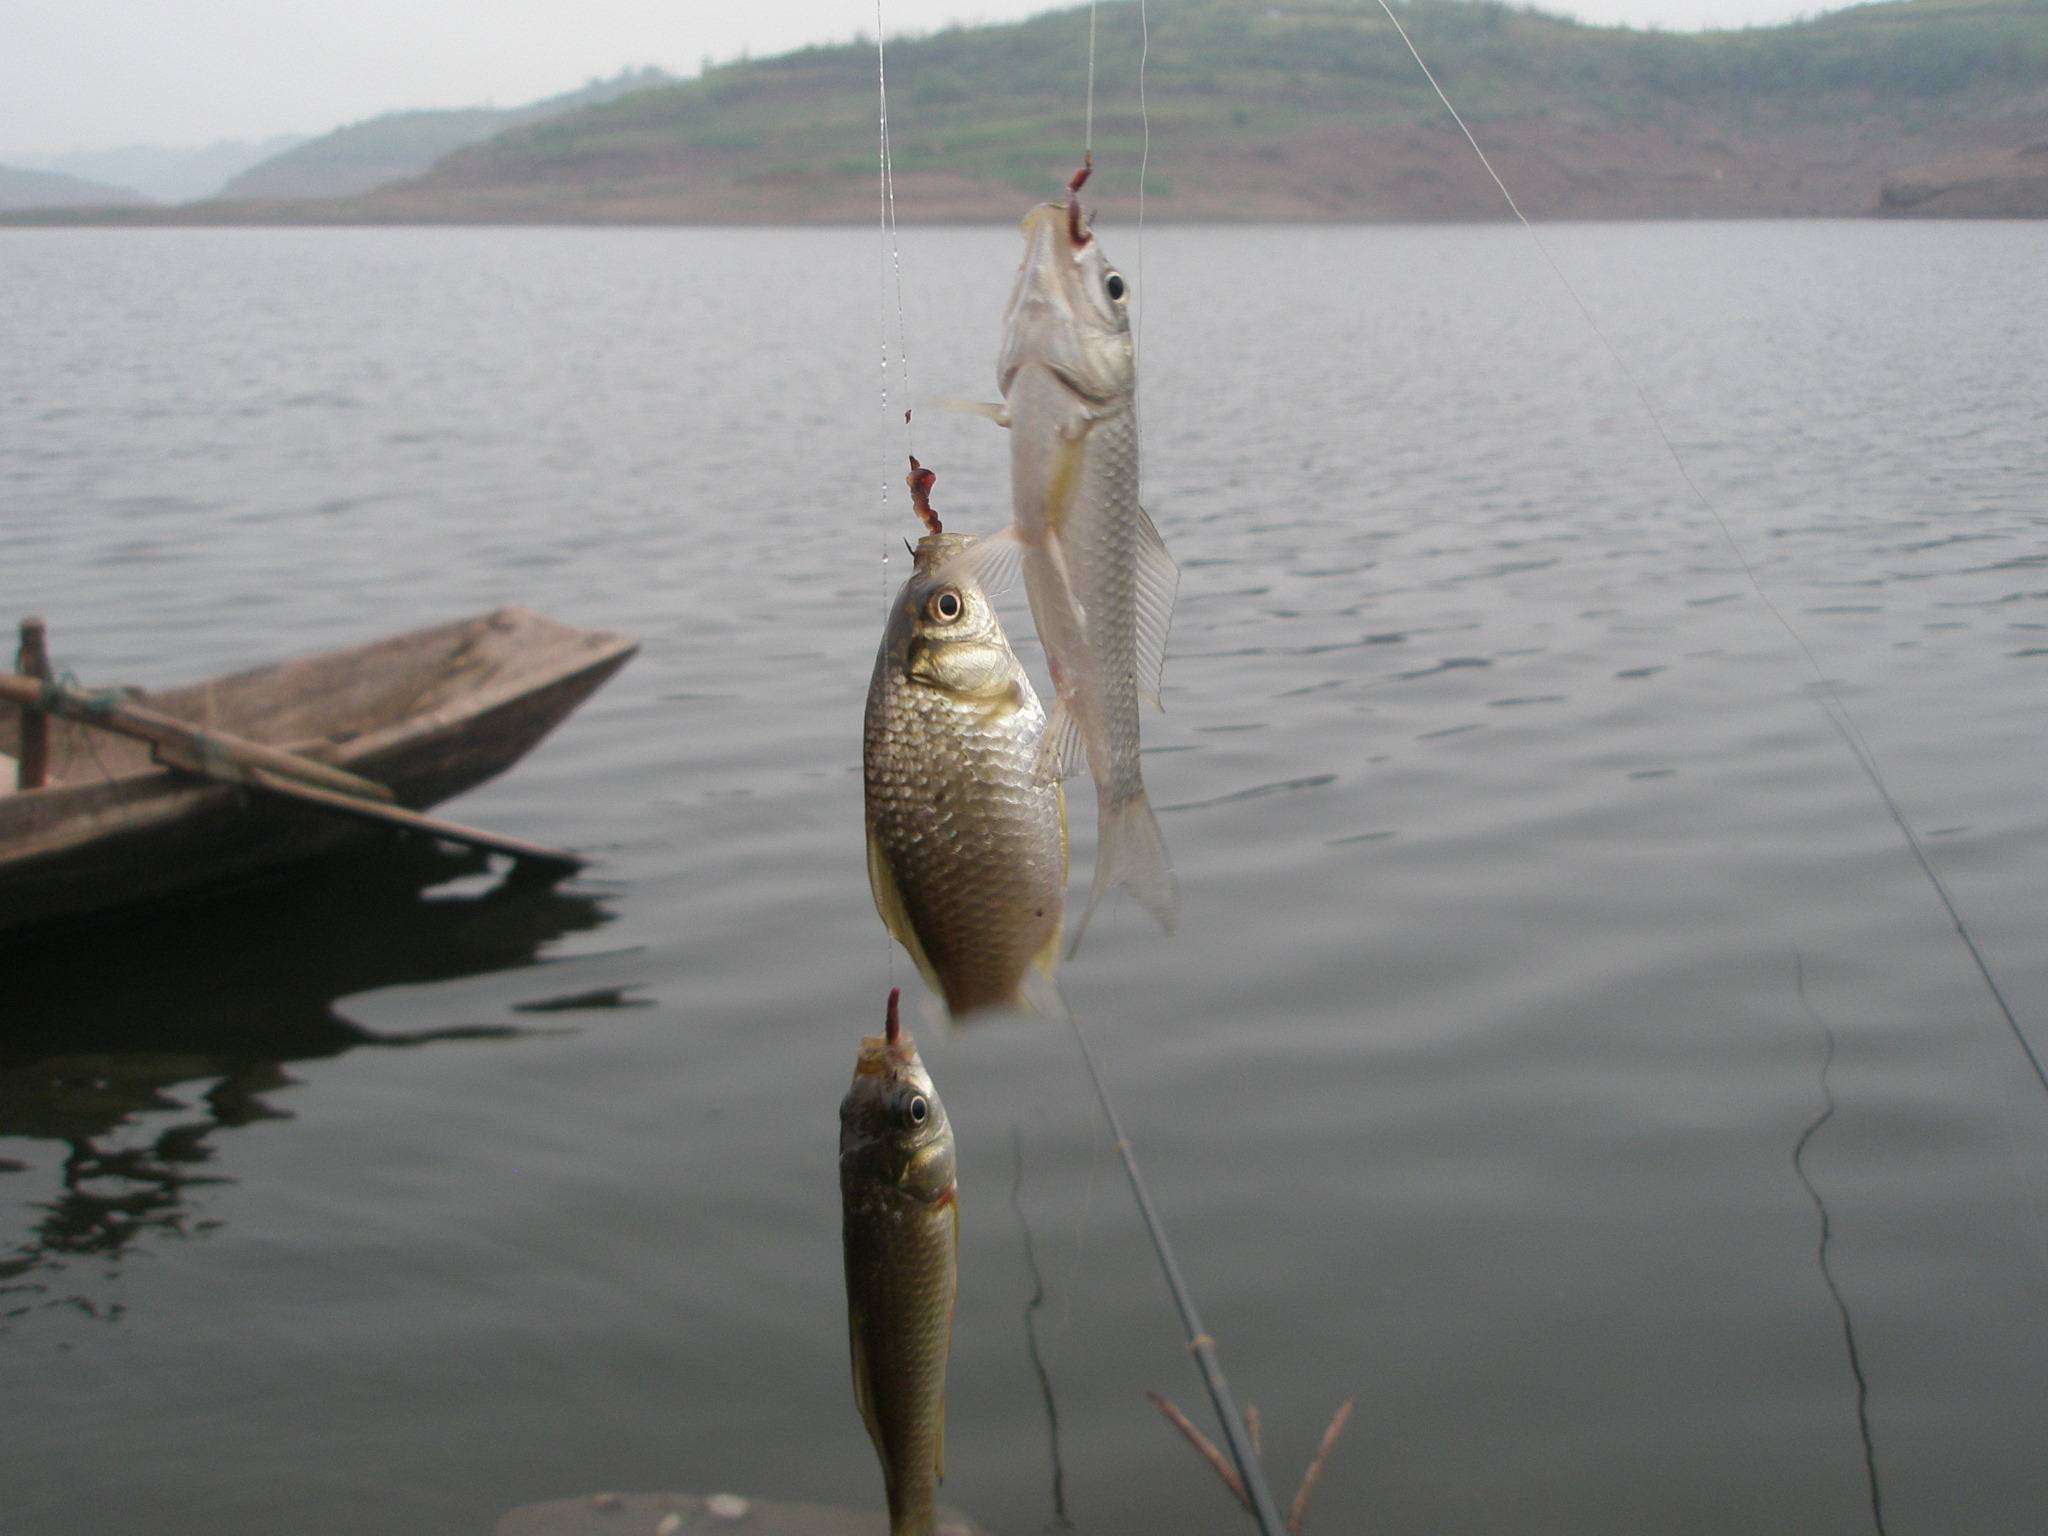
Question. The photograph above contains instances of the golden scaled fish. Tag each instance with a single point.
(967, 844)
(1101, 583)
(902, 1237)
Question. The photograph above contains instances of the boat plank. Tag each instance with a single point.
(722, 1514)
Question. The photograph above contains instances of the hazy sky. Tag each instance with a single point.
(92, 74)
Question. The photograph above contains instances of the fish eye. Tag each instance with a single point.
(918, 1110)
(1115, 285)
(945, 606)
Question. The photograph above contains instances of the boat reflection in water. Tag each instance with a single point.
(133, 1048)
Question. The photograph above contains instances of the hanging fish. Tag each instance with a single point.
(967, 846)
(902, 1237)
(1100, 581)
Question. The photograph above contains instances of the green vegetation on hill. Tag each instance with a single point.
(1258, 109)
(1228, 80)
(364, 155)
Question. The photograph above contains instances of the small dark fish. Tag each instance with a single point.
(901, 1230)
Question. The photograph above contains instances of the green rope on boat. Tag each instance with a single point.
(93, 701)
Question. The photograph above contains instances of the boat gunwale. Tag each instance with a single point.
(48, 821)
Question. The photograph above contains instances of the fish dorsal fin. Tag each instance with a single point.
(1157, 587)
(895, 916)
(1060, 755)
(990, 561)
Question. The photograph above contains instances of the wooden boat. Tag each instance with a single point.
(426, 714)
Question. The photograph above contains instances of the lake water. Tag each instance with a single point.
(1535, 914)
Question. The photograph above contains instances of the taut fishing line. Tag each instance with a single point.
(1833, 706)
(886, 193)
(1088, 132)
(1200, 1345)
(886, 216)
(1144, 166)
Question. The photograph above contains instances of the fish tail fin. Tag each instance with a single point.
(1130, 852)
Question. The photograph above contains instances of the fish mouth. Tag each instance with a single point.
(1047, 307)
(1047, 241)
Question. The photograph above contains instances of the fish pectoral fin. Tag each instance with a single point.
(993, 410)
(1158, 586)
(1060, 756)
(895, 915)
(991, 561)
(1063, 479)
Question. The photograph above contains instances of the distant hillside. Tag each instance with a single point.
(1300, 109)
(1992, 184)
(1280, 109)
(50, 189)
(168, 175)
(365, 155)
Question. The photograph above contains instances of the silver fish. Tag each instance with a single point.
(901, 1228)
(1100, 581)
(967, 847)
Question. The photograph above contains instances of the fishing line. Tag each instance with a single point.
(1827, 1273)
(1144, 165)
(886, 217)
(1084, 1220)
(1088, 133)
(1061, 1519)
(886, 169)
(1200, 1344)
(1833, 706)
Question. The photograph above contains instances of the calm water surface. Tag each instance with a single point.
(1535, 914)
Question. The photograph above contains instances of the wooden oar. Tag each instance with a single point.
(555, 859)
(233, 760)
(177, 743)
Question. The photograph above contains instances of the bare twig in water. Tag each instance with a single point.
(1314, 1474)
(1203, 1448)
(1232, 1481)
(921, 480)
